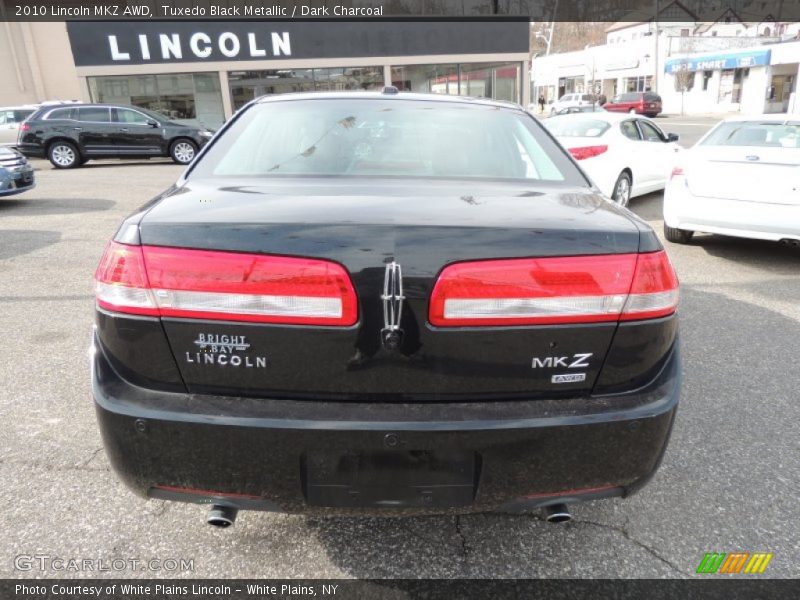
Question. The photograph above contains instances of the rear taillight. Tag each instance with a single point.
(676, 172)
(203, 284)
(584, 152)
(25, 127)
(538, 291)
(121, 281)
(654, 292)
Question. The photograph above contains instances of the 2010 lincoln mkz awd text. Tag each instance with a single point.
(385, 303)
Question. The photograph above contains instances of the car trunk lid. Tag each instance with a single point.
(423, 228)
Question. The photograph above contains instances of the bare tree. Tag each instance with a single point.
(684, 81)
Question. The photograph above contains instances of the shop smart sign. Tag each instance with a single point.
(140, 43)
(716, 62)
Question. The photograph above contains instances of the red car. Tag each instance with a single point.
(643, 103)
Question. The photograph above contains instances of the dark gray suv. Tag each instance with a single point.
(71, 135)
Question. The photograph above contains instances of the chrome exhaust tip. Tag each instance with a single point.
(222, 516)
(557, 513)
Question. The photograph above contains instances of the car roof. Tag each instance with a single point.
(378, 95)
(47, 109)
(603, 115)
(769, 118)
(21, 107)
(87, 105)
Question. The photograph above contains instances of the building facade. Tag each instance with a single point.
(203, 71)
(694, 74)
(752, 80)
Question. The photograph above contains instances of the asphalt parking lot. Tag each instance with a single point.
(730, 480)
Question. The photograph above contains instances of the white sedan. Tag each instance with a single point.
(625, 155)
(741, 179)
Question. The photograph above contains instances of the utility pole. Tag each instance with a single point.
(655, 54)
(552, 27)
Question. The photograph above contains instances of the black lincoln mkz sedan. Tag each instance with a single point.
(383, 302)
(71, 135)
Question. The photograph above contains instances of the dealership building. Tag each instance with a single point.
(203, 71)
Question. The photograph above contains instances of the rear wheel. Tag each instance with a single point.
(677, 236)
(183, 151)
(622, 189)
(64, 155)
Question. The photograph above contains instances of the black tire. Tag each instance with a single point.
(64, 155)
(677, 236)
(182, 151)
(622, 189)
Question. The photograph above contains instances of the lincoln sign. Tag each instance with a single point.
(201, 46)
(141, 43)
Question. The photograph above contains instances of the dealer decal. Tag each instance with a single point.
(224, 351)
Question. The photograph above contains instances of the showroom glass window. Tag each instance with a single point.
(193, 98)
(436, 79)
(500, 81)
(247, 85)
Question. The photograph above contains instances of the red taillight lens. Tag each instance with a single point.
(676, 172)
(207, 284)
(121, 281)
(25, 127)
(579, 289)
(587, 151)
(654, 292)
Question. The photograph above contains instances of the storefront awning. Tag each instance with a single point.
(714, 62)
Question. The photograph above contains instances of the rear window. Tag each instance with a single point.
(765, 134)
(399, 138)
(573, 127)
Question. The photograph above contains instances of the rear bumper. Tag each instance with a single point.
(32, 150)
(308, 456)
(757, 220)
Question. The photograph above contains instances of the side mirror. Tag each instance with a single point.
(673, 137)
(152, 123)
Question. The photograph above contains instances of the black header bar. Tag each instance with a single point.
(536, 10)
(396, 589)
